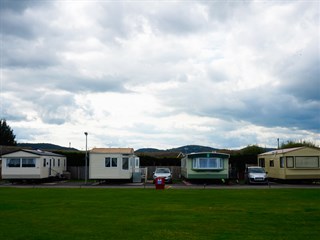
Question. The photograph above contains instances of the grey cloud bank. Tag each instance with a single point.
(161, 74)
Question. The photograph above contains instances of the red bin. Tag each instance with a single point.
(159, 182)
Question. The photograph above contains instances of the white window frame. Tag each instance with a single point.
(26, 161)
(13, 159)
(113, 162)
(208, 163)
(22, 162)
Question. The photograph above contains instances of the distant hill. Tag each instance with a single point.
(148, 150)
(184, 149)
(45, 146)
(193, 148)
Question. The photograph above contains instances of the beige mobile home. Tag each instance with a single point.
(112, 163)
(301, 163)
(32, 164)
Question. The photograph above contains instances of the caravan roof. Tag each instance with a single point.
(113, 150)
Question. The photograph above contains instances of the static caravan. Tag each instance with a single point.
(32, 164)
(112, 163)
(301, 163)
(205, 165)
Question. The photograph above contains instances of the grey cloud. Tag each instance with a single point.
(27, 54)
(55, 108)
(50, 107)
(12, 109)
(276, 109)
(217, 75)
(121, 20)
(27, 134)
(110, 17)
(76, 83)
(47, 62)
(12, 114)
(301, 76)
(269, 108)
(18, 5)
(69, 80)
(222, 11)
(221, 138)
(179, 18)
(265, 106)
(16, 25)
(13, 18)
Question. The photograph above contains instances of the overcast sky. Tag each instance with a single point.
(161, 74)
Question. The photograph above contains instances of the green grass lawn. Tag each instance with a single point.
(149, 214)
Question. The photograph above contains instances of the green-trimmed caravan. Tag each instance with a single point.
(205, 165)
(300, 163)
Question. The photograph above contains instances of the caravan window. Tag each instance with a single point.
(290, 162)
(125, 163)
(281, 162)
(307, 162)
(111, 162)
(13, 162)
(271, 163)
(114, 162)
(107, 162)
(28, 162)
(131, 162)
(207, 163)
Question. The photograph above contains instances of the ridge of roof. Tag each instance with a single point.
(37, 152)
(112, 150)
(284, 150)
(212, 152)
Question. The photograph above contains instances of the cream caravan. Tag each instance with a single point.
(299, 163)
(32, 165)
(112, 163)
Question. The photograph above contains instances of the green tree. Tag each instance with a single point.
(7, 138)
(252, 150)
(293, 144)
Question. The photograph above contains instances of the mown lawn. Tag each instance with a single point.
(150, 214)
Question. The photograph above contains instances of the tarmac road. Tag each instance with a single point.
(149, 185)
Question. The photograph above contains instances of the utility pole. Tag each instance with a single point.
(86, 164)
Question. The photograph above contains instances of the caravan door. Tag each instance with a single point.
(50, 165)
(137, 162)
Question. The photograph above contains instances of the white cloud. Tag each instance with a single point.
(161, 74)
